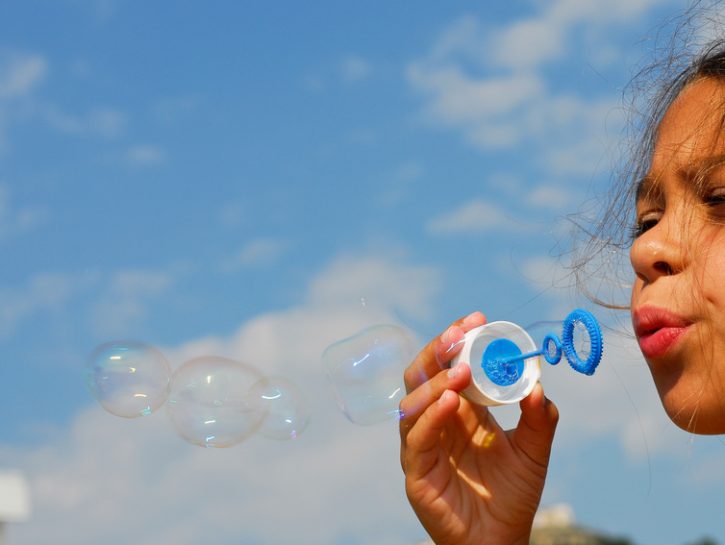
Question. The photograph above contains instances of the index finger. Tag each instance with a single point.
(436, 355)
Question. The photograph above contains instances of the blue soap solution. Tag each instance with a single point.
(502, 362)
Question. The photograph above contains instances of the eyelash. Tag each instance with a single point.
(714, 199)
(641, 227)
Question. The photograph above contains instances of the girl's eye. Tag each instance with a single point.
(715, 197)
(645, 223)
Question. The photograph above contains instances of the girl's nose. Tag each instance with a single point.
(659, 251)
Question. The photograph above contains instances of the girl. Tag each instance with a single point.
(469, 481)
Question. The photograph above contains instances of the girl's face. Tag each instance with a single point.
(678, 256)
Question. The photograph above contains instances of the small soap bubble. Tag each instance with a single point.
(286, 410)
(582, 340)
(366, 372)
(211, 402)
(128, 378)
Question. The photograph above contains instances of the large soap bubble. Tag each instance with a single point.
(128, 378)
(286, 410)
(211, 401)
(366, 372)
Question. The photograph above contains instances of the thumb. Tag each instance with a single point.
(534, 433)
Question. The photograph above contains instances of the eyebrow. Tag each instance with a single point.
(644, 187)
(648, 183)
(703, 165)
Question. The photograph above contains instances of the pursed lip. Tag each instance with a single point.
(658, 329)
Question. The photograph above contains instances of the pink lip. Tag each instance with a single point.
(658, 330)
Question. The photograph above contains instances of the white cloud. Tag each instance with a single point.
(256, 253)
(99, 121)
(529, 43)
(403, 287)
(545, 273)
(313, 84)
(474, 217)
(42, 292)
(145, 155)
(118, 306)
(15, 221)
(457, 98)
(123, 304)
(354, 68)
(401, 180)
(20, 73)
(550, 196)
(492, 85)
(232, 214)
(171, 109)
(135, 480)
(406, 172)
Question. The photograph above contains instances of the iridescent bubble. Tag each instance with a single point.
(286, 410)
(128, 378)
(582, 340)
(210, 401)
(366, 372)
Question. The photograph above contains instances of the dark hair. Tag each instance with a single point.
(607, 237)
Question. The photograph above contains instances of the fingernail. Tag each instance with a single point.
(451, 336)
(453, 372)
(472, 317)
(447, 334)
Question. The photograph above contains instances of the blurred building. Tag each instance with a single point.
(555, 526)
(14, 500)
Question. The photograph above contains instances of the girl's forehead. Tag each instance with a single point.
(691, 135)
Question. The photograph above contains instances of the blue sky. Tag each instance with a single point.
(233, 178)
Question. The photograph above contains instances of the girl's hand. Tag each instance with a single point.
(468, 480)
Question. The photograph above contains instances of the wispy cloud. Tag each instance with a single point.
(232, 214)
(256, 253)
(17, 220)
(20, 73)
(551, 196)
(475, 217)
(145, 155)
(105, 471)
(99, 121)
(402, 179)
(41, 293)
(122, 305)
(170, 109)
(493, 85)
(354, 68)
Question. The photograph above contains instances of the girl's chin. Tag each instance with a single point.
(700, 419)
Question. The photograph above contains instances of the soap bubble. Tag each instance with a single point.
(366, 372)
(286, 410)
(128, 378)
(582, 340)
(211, 404)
